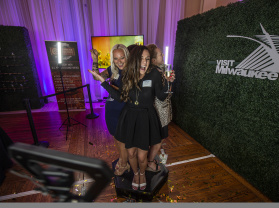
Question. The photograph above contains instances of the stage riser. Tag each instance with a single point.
(155, 181)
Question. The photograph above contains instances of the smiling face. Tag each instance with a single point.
(119, 59)
(145, 61)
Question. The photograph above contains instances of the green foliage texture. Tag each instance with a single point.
(234, 117)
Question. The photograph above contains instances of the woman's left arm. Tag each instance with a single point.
(160, 89)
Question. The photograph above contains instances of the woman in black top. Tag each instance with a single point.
(163, 108)
(138, 125)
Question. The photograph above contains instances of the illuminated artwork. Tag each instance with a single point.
(103, 44)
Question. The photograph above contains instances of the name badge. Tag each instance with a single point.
(147, 83)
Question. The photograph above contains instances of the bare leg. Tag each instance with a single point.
(119, 151)
(132, 155)
(162, 143)
(122, 165)
(142, 158)
(123, 153)
(152, 153)
(117, 145)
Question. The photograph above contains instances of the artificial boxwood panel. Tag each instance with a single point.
(18, 72)
(234, 117)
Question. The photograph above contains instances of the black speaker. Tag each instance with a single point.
(18, 72)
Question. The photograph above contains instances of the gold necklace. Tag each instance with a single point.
(137, 95)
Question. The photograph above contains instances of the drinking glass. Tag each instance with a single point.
(168, 70)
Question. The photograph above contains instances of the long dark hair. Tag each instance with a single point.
(131, 75)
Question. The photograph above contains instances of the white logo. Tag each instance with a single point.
(262, 63)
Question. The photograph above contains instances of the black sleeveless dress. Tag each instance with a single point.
(139, 125)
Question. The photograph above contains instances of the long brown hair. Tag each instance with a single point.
(131, 75)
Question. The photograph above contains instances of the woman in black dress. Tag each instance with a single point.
(138, 125)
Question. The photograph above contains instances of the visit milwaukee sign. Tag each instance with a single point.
(262, 63)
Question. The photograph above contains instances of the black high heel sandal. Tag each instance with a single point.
(151, 169)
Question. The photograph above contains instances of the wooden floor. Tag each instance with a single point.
(195, 175)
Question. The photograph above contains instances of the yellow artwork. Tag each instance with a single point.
(105, 43)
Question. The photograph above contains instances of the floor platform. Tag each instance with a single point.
(155, 181)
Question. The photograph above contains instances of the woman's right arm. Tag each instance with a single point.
(95, 65)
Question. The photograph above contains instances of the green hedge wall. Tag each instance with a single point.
(234, 117)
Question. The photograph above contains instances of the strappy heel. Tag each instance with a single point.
(135, 186)
(142, 185)
(151, 169)
(120, 170)
(117, 164)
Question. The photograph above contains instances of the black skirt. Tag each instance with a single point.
(139, 127)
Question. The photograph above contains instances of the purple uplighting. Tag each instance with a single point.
(75, 21)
